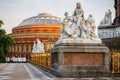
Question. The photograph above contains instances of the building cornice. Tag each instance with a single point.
(110, 26)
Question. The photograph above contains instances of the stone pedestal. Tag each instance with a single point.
(80, 60)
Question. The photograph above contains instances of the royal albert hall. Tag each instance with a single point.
(43, 26)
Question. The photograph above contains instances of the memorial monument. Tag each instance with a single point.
(79, 52)
(117, 12)
(107, 21)
(38, 47)
(110, 32)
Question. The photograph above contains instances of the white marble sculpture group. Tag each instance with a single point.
(75, 29)
(107, 20)
(38, 47)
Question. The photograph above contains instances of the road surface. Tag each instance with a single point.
(27, 71)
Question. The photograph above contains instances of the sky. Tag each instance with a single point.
(13, 12)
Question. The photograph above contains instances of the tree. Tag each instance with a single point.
(2, 32)
(5, 43)
(1, 23)
(2, 56)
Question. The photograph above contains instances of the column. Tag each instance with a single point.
(13, 48)
(119, 7)
(45, 46)
(115, 6)
(29, 48)
(24, 48)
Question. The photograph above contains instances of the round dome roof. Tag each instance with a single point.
(43, 18)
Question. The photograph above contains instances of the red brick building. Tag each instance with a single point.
(43, 26)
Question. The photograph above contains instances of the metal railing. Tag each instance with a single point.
(115, 62)
(41, 59)
(44, 60)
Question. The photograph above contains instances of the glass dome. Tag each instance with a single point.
(43, 18)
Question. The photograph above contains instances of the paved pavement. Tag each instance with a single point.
(27, 71)
(21, 71)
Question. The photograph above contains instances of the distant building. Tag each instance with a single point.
(110, 34)
(117, 12)
(43, 26)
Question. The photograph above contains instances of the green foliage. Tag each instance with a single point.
(2, 32)
(5, 43)
(1, 23)
(2, 56)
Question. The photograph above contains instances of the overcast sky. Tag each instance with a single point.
(13, 12)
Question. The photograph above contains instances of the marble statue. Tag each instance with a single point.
(78, 15)
(66, 23)
(38, 47)
(110, 17)
(69, 29)
(91, 22)
(107, 20)
(76, 29)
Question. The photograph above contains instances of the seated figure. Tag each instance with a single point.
(38, 47)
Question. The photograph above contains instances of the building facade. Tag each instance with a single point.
(117, 12)
(43, 26)
(111, 34)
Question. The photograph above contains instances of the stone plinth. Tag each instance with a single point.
(83, 41)
(80, 60)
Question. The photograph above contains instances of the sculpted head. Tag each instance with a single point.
(78, 5)
(90, 15)
(66, 14)
(109, 10)
(87, 23)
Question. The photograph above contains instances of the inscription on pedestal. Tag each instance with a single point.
(83, 59)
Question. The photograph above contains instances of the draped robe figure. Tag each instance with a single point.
(75, 27)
